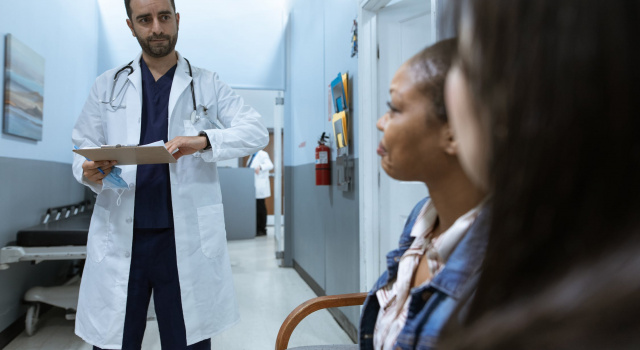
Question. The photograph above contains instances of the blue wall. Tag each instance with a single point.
(319, 48)
(65, 33)
(321, 222)
(241, 40)
(36, 175)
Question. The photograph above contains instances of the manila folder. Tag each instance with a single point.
(127, 155)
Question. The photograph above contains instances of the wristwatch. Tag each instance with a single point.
(202, 133)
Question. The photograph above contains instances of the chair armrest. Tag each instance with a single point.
(310, 306)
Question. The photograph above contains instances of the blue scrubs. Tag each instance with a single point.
(153, 260)
(153, 190)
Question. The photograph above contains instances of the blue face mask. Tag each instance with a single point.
(114, 182)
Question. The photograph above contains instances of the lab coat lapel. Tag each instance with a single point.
(181, 81)
(134, 103)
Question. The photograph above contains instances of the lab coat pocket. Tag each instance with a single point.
(112, 124)
(189, 129)
(213, 236)
(98, 240)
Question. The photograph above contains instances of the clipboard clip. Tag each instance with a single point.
(117, 146)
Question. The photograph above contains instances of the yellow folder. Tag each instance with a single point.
(340, 129)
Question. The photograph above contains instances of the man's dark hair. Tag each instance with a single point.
(127, 5)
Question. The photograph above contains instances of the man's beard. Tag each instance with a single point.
(157, 51)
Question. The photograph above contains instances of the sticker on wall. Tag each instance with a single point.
(24, 90)
(354, 38)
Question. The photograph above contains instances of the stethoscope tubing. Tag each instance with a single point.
(129, 67)
(193, 93)
(113, 87)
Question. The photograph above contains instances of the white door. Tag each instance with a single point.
(404, 28)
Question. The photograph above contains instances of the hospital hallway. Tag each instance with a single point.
(266, 294)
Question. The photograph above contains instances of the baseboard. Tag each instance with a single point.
(339, 316)
(315, 287)
(10, 333)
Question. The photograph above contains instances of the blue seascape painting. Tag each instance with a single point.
(23, 90)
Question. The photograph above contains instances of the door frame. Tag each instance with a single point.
(369, 171)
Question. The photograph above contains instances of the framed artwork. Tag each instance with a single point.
(23, 90)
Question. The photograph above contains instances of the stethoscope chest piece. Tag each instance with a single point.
(198, 113)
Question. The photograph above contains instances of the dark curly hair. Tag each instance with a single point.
(127, 5)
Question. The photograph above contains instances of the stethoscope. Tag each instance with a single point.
(198, 112)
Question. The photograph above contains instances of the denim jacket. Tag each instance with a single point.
(431, 304)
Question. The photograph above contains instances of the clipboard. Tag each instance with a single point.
(128, 155)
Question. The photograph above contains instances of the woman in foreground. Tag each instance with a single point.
(544, 100)
(441, 247)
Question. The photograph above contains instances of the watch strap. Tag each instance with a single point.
(202, 133)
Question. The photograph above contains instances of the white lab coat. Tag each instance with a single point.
(263, 187)
(206, 286)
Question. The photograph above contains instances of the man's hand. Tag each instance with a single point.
(258, 170)
(185, 145)
(92, 173)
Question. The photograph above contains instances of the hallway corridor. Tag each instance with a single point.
(266, 294)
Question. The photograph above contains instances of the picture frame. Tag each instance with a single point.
(23, 90)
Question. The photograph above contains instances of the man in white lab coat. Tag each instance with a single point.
(261, 163)
(159, 228)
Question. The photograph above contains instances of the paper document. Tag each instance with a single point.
(152, 153)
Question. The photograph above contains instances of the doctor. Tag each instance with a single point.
(166, 235)
(261, 164)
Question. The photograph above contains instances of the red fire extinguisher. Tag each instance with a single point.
(323, 162)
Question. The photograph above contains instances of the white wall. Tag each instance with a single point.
(65, 33)
(263, 101)
(242, 40)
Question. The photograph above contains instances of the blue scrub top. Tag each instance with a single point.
(153, 207)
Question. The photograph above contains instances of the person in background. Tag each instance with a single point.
(160, 231)
(442, 245)
(544, 100)
(261, 164)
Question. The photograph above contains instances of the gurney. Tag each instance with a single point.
(62, 235)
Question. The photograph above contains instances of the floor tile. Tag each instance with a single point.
(266, 295)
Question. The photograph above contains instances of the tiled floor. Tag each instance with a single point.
(266, 294)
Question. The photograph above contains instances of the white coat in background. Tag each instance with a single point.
(206, 286)
(263, 186)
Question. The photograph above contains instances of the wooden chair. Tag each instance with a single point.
(313, 305)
